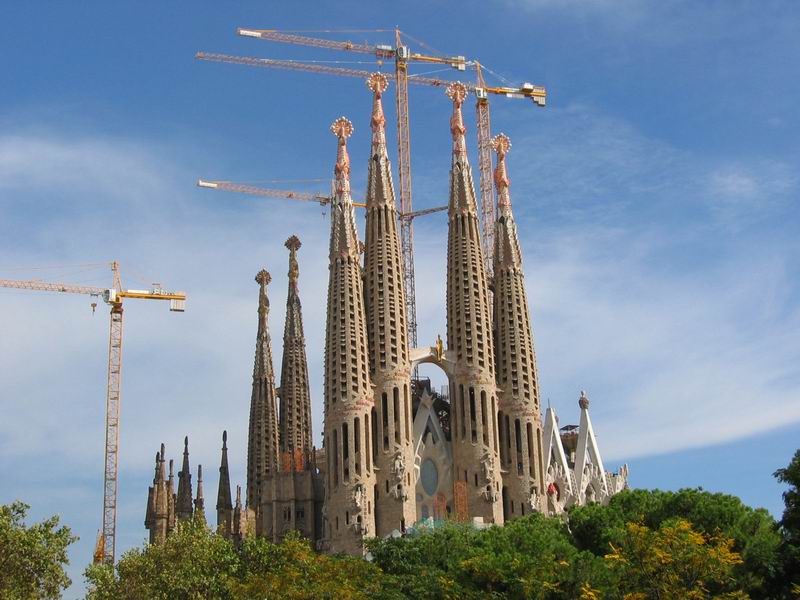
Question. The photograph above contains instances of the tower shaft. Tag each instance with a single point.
(295, 409)
(518, 386)
(476, 468)
(387, 328)
(350, 481)
(262, 441)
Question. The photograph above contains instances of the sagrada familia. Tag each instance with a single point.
(396, 454)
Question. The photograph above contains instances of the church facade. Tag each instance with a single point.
(397, 453)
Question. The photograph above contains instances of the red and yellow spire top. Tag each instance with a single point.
(378, 83)
(457, 92)
(502, 145)
(342, 128)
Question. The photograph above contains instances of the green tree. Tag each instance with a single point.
(790, 525)
(294, 571)
(531, 557)
(674, 562)
(753, 531)
(32, 558)
(193, 563)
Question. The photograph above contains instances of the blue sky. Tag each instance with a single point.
(657, 198)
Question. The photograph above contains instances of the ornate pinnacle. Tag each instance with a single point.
(342, 128)
(263, 277)
(225, 439)
(377, 82)
(501, 145)
(457, 92)
(293, 244)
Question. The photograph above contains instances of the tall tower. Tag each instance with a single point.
(295, 413)
(291, 495)
(199, 501)
(183, 505)
(518, 386)
(392, 446)
(160, 516)
(350, 483)
(476, 465)
(262, 440)
(224, 502)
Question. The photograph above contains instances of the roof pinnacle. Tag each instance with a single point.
(501, 144)
(377, 83)
(342, 128)
(293, 244)
(263, 277)
(457, 92)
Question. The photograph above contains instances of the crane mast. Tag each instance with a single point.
(106, 543)
(404, 182)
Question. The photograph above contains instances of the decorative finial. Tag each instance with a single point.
(457, 91)
(342, 128)
(199, 473)
(186, 443)
(583, 402)
(293, 243)
(162, 451)
(225, 440)
(171, 470)
(377, 83)
(238, 494)
(501, 145)
(263, 277)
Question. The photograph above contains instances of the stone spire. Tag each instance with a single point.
(476, 465)
(224, 502)
(350, 485)
(171, 497)
(521, 451)
(183, 505)
(199, 501)
(295, 411)
(158, 503)
(262, 440)
(388, 335)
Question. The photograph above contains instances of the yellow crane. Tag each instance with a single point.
(317, 197)
(112, 296)
(403, 56)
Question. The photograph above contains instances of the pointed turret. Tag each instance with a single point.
(224, 502)
(262, 441)
(350, 484)
(183, 505)
(171, 498)
(239, 531)
(521, 449)
(199, 501)
(295, 411)
(388, 334)
(469, 337)
(150, 513)
(160, 514)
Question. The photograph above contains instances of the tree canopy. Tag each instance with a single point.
(32, 557)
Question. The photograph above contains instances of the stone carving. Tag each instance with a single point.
(534, 501)
(399, 471)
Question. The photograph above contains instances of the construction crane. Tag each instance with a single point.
(113, 296)
(402, 57)
(319, 198)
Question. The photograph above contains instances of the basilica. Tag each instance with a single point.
(398, 455)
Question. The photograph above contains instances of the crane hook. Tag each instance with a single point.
(94, 306)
